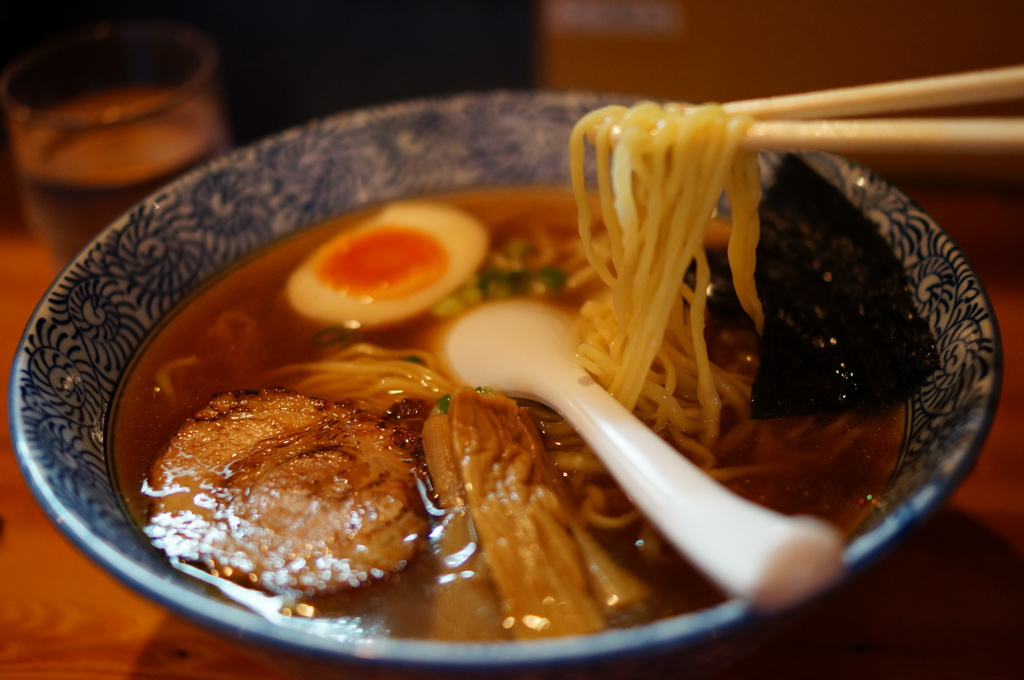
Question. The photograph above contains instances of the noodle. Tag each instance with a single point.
(164, 379)
(593, 509)
(660, 174)
(372, 375)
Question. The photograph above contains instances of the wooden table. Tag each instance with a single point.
(948, 604)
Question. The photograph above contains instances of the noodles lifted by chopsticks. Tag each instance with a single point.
(661, 171)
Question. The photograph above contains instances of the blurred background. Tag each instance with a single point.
(286, 62)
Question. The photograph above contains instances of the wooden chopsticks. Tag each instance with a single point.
(972, 87)
(975, 135)
(784, 121)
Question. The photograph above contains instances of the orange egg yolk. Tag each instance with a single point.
(382, 263)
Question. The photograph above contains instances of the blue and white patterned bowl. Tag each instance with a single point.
(85, 331)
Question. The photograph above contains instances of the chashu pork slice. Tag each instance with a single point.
(287, 493)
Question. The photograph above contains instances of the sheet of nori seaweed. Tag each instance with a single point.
(841, 330)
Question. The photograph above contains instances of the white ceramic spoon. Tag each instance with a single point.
(772, 561)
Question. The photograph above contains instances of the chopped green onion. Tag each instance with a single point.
(332, 335)
(517, 249)
(450, 305)
(496, 283)
(471, 293)
(552, 278)
(444, 403)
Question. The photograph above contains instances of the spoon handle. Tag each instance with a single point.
(769, 559)
(751, 552)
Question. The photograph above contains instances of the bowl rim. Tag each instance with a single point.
(686, 630)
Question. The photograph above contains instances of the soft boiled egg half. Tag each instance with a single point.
(393, 266)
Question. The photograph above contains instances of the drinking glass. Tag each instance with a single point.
(100, 117)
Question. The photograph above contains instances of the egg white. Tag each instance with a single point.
(463, 238)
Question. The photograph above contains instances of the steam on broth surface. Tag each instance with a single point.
(241, 333)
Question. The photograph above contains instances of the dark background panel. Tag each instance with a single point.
(287, 61)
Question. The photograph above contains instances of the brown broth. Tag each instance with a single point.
(238, 330)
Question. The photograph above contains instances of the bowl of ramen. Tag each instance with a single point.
(236, 399)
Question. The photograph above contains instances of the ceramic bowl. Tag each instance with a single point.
(81, 339)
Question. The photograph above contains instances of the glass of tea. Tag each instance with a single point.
(100, 117)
